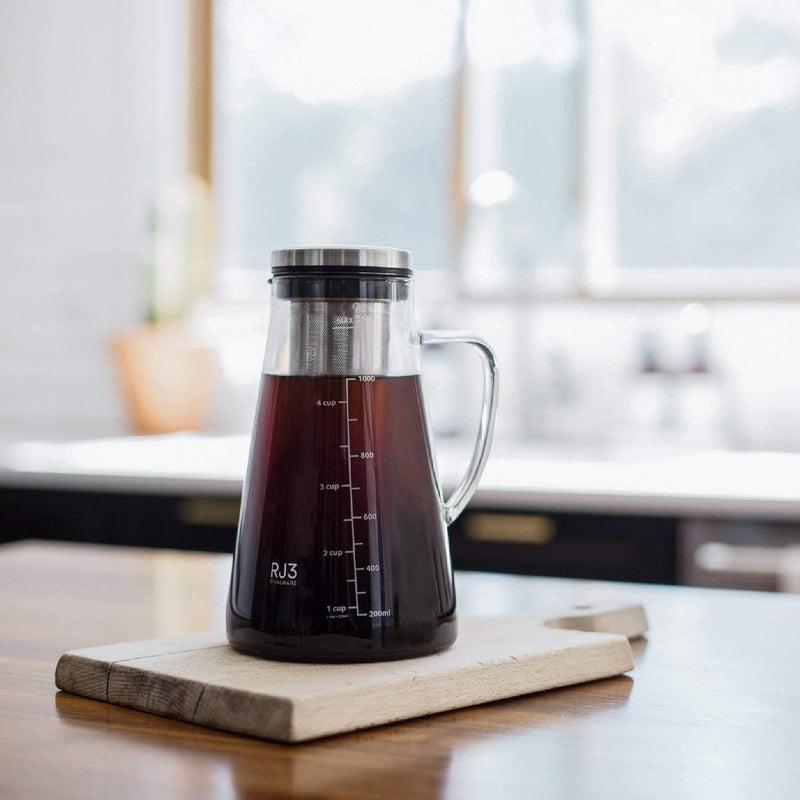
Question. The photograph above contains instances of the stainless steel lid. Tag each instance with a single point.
(368, 261)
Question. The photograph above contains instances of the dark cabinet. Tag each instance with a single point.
(597, 546)
(183, 523)
(600, 547)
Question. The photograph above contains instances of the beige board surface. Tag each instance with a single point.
(199, 678)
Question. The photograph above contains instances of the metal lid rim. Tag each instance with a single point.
(369, 258)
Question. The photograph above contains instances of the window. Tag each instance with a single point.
(595, 148)
(335, 124)
(521, 93)
(692, 165)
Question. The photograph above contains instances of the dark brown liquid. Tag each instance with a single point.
(342, 552)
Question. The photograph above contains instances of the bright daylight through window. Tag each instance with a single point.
(558, 143)
(707, 108)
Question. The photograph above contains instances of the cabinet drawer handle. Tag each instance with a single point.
(740, 559)
(512, 528)
(209, 511)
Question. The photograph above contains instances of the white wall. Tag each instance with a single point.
(80, 105)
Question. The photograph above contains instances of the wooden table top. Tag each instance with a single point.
(711, 710)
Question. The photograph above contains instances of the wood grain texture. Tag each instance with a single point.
(711, 710)
(199, 678)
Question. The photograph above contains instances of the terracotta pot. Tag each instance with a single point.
(167, 377)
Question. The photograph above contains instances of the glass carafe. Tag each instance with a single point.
(342, 551)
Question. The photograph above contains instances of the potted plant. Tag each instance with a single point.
(166, 372)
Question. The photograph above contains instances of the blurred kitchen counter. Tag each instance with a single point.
(716, 483)
(710, 518)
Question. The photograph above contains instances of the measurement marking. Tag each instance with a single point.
(358, 543)
(342, 401)
(357, 517)
(351, 580)
(360, 592)
(344, 445)
(360, 569)
(349, 551)
(345, 485)
(350, 490)
(353, 419)
(353, 456)
(356, 607)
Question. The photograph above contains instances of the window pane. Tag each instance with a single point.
(333, 125)
(523, 70)
(707, 100)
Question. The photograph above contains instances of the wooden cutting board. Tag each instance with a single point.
(199, 678)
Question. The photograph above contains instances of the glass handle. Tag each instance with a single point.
(461, 496)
